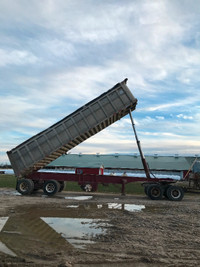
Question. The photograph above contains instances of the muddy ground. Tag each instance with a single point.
(160, 233)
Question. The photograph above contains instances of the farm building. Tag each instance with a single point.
(117, 163)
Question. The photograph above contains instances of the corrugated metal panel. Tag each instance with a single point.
(196, 167)
(43, 148)
(122, 161)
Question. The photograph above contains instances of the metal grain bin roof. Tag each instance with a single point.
(117, 161)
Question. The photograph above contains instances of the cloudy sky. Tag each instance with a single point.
(56, 55)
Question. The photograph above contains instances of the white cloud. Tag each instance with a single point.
(190, 101)
(21, 116)
(185, 117)
(56, 56)
(58, 48)
(16, 57)
(160, 117)
(166, 143)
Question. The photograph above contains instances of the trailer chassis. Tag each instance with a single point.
(51, 183)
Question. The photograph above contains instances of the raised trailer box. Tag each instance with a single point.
(41, 149)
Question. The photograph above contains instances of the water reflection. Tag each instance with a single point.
(3, 221)
(128, 207)
(3, 247)
(123, 207)
(77, 231)
(79, 197)
(10, 192)
(75, 226)
(6, 250)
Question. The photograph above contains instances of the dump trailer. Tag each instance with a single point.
(28, 158)
(46, 146)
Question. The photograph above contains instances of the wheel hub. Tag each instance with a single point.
(175, 193)
(23, 187)
(50, 188)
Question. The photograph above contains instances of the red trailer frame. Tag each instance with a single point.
(53, 182)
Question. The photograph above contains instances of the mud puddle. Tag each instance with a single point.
(3, 247)
(74, 227)
(10, 192)
(79, 197)
(127, 207)
(77, 231)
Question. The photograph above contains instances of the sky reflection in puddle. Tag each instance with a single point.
(3, 221)
(6, 250)
(77, 231)
(80, 197)
(77, 225)
(127, 207)
(9, 192)
(3, 247)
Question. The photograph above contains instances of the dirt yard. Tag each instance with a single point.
(160, 233)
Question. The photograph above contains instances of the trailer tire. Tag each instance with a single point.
(155, 192)
(62, 186)
(87, 187)
(165, 190)
(25, 186)
(175, 193)
(146, 187)
(51, 187)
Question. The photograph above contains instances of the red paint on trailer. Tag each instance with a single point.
(93, 179)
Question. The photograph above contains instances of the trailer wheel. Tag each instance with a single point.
(146, 188)
(155, 192)
(175, 193)
(165, 190)
(25, 186)
(51, 187)
(87, 187)
(62, 186)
